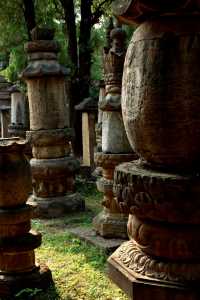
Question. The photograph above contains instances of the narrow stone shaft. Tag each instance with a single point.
(19, 122)
(115, 146)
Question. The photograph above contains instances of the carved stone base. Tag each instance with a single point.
(40, 278)
(111, 225)
(58, 206)
(142, 277)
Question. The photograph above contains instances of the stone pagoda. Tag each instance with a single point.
(115, 146)
(53, 167)
(5, 106)
(161, 190)
(19, 123)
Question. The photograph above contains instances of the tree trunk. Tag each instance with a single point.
(85, 47)
(29, 15)
(68, 7)
(73, 84)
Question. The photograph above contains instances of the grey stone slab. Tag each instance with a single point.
(89, 235)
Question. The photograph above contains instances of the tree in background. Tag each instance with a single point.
(74, 22)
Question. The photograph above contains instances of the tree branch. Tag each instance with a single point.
(99, 11)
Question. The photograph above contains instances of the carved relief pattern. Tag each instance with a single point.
(133, 258)
(157, 196)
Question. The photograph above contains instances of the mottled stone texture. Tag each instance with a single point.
(18, 269)
(115, 146)
(88, 107)
(5, 105)
(19, 122)
(53, 167)
(160, 191)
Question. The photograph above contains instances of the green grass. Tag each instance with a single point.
(78, 269)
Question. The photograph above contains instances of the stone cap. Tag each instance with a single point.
(42, 52)
(137, 11)
(89, 104)
(44, 69)
(14, 89)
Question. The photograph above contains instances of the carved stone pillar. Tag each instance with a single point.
(100, 115)
(161, 191)
(19, 113)
(53, 168)
(5, 105)
(115, 146)
(88, 108)
(18, 269)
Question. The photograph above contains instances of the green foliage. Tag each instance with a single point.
(27, 293)
(13, 33)
(78, 269)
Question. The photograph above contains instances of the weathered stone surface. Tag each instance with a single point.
(114, 139)
(50, 143)
(161, 190)
(138, 11)
(19, 113)
(115, 146)
(15, 172)
(110, 225)
(158, 196)
(152, 89)
(53, 167)
(130, 268)
(51, 113)
(110, 222)
(53, 207)
(108, 245)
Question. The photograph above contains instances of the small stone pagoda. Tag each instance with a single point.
(161, 190)
(53, 166)
(19, 123)
(115, 146)
(5, 106)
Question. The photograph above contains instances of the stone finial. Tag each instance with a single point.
(42, 55)
(114, 60)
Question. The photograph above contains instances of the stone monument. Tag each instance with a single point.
(88, 107)
(5, 106)
(161, 190)
(19, 113)
(18, 269)
(115, 146)
(53, 167)
(98, 128)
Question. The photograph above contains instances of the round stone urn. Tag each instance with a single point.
(15, 179)
(161, 92)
